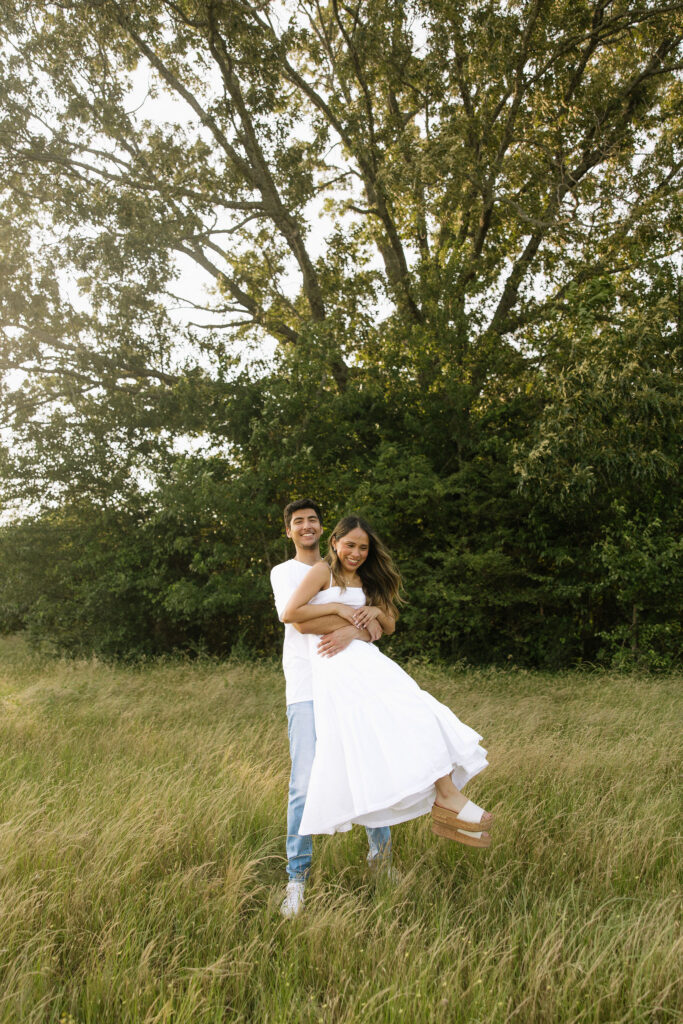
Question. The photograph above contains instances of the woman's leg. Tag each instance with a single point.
(450, 797)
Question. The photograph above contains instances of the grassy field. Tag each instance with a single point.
(142, 868)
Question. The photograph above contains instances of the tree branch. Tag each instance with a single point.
(570, 178)
(279, 330)
(391, 250)
(209, 122)
(280, 215)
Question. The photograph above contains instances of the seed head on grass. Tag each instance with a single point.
(142, 821)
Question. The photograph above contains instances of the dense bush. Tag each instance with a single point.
(519, 538)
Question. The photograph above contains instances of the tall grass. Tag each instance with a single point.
(142, 857)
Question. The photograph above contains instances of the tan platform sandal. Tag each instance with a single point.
(458, 836)
(463, 826)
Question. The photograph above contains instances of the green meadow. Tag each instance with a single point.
(142, 829)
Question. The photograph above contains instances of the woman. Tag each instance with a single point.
(386, 751)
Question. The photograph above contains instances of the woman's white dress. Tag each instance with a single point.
(381, 741)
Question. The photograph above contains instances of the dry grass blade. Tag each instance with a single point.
(142, 857)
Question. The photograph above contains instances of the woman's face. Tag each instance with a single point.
(352, 549)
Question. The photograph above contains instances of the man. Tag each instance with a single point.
(303, 525)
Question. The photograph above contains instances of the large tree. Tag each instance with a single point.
(456, 171)
(420, 258)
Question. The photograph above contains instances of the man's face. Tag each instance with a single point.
(305, 529)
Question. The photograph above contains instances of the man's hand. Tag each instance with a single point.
(333, 643)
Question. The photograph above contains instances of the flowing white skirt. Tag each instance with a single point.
(381, 743)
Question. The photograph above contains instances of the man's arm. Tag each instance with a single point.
(335, 625)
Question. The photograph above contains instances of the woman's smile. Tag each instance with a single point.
(353, 548)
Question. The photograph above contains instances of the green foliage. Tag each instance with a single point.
(478, 345)
(495, 570)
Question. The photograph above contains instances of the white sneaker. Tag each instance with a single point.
(293, 903)
(383, 870)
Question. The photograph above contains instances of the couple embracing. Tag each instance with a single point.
(368, 746)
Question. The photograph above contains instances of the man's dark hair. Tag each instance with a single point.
(296, 506)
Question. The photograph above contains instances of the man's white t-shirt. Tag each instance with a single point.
(296, 662)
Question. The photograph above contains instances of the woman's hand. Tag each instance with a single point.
(362, 617)
(345, 610)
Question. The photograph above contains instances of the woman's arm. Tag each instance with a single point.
(306, 612)
(298, 609)
(324, 624)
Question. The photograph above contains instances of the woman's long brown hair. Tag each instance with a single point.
(378, 574)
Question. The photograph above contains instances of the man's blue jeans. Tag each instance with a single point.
(301, 728)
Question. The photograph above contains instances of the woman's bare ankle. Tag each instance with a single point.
(448, 795)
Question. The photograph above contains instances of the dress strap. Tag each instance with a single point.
(331, 580)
